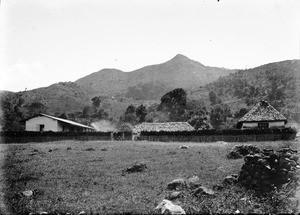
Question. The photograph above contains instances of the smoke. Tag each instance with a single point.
(297, 126)
(104, 126)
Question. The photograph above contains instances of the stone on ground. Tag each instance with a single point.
(175, 195)
(203, 191)
(231, 179)
(193, 182)
(167, 207)
(138, 167)
(27, 193)
(177, 184)
(183, 147)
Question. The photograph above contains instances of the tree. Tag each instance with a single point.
(36, 108)
(174, 103)
(63, 116)
(96, 101)
(199, 119)
(86, 112)
(174, 98)
(130, 109)
(10, 113)
(130, 115)
(141, 113)
(240, 113)
(212, 97)
(101, 114)
(219, 115)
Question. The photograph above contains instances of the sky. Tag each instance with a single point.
(43, 42)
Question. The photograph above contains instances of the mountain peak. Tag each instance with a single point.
(180, 57)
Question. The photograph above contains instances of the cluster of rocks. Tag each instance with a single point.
(270, 169)
(177, 189)
(242, 150)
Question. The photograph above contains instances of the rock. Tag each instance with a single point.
(138, 167)
(175, 195)
(50, 150)
(234, 155)
(294, 158)
(183, 147)
(237, 212)
(82, 213)
(222, 142)
(193, 182)
(167, 207)
(69, 148)
(218, 187)
(203, 191)
(27, 193)
(177, 184)
(229, 180)
(43, 213)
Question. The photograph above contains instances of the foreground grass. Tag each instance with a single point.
(74, 176)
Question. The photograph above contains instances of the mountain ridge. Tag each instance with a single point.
(180, 71)
(119, 89)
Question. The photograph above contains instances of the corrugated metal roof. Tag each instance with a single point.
(164, 126)
(66, 121)
(262, 111)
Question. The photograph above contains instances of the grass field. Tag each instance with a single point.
(70, 176)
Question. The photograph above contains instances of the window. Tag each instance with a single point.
(263, 125)
(42, 127)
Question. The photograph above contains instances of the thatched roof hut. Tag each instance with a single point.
(262, 115)
(163, 126)
(126, 127)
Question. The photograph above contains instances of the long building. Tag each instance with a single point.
(44, 122)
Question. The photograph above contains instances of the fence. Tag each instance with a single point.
(185, 136)
(33, 136)
(215, 138)
(232, 135)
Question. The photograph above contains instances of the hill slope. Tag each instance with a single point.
(278, 82)
(151, 82)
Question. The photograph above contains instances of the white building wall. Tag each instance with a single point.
(34, 124)
(276, 124)
(255, 124)
(250, 124)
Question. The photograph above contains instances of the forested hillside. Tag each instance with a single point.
(218, 104)
(278, 83)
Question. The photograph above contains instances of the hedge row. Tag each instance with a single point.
(223, 132)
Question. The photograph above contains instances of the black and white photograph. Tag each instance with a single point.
(149, 107)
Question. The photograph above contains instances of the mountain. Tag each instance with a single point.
(151, 82)
(277, 82)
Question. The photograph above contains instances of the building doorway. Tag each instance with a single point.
(41, 127)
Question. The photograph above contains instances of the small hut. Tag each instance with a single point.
(158, 127)
(262, 116)
(126, 127)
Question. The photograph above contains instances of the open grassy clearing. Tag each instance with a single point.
(71, 176)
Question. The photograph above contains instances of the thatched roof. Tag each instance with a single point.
(126, 127)
(262, 111)
(164, 126)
